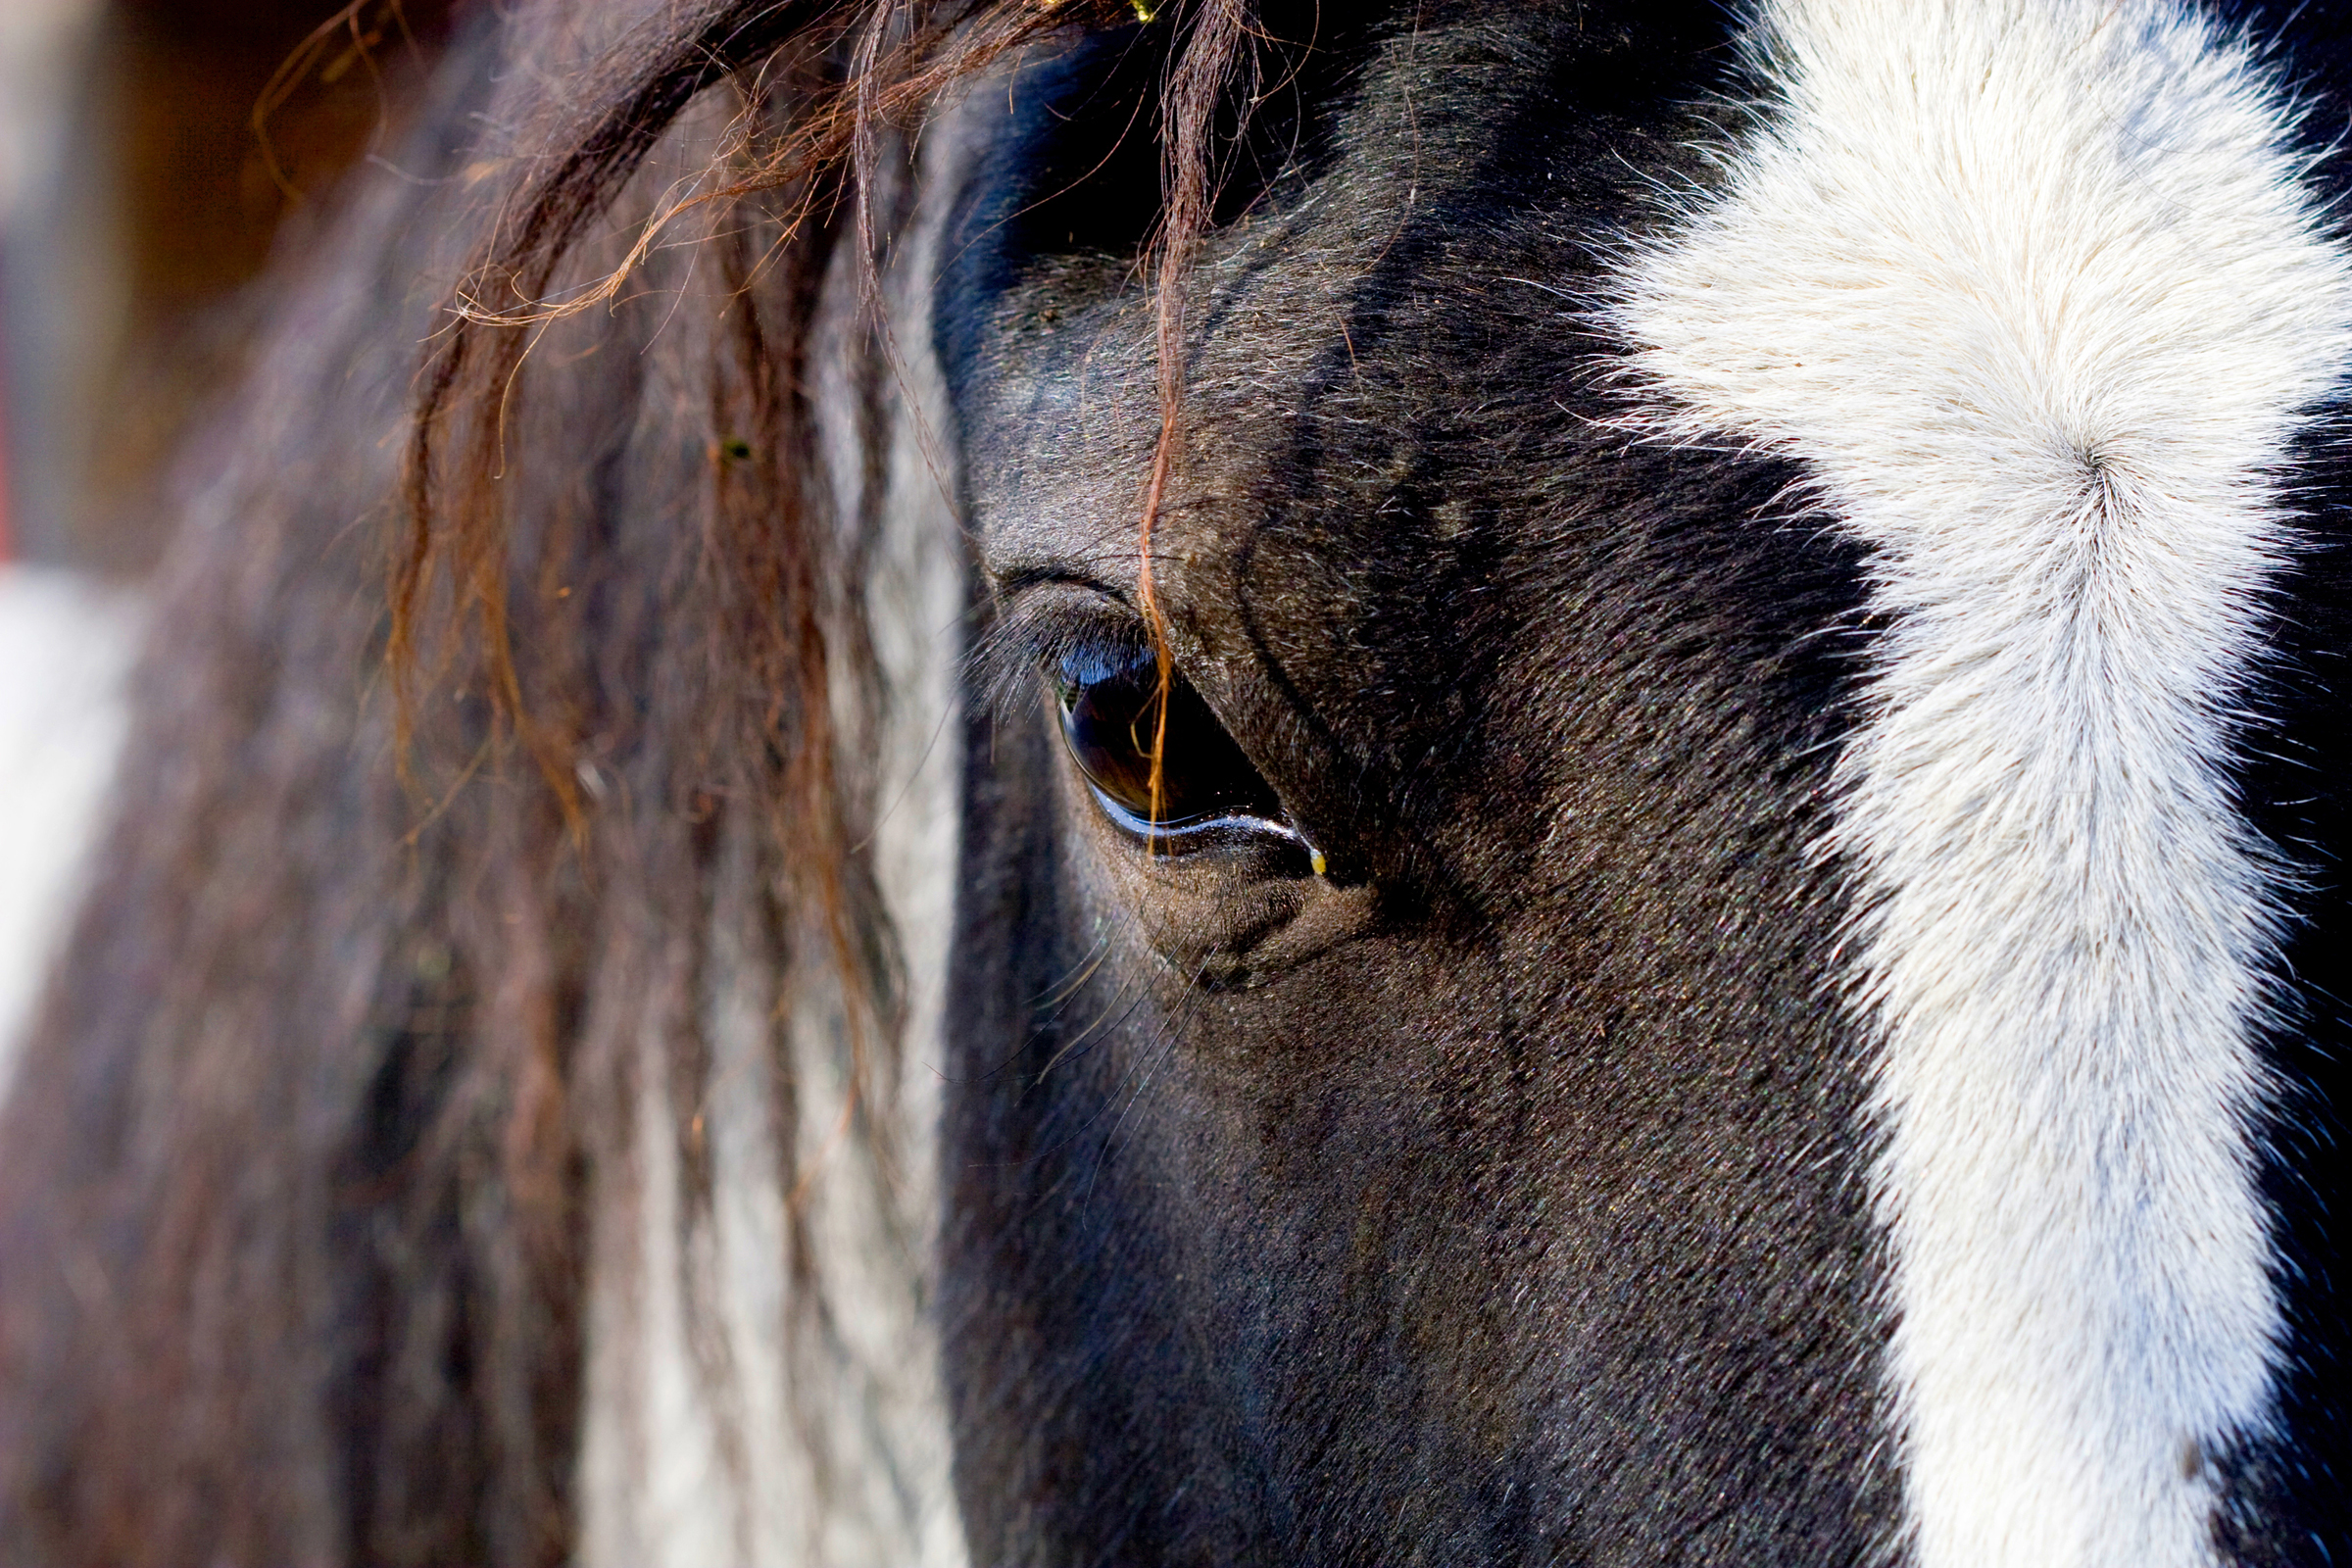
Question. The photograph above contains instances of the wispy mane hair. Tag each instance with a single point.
(413, 891)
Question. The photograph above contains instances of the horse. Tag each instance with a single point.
(1035, 782)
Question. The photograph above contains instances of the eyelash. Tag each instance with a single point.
(1044, 632)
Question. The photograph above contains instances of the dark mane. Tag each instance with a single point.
(401, 909)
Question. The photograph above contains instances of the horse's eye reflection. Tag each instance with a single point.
(1110, 716)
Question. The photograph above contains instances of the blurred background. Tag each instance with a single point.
(159, 161)
(153, 155)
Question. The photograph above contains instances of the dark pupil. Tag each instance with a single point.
(1110, 717)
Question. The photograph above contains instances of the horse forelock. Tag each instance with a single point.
(710, 1433)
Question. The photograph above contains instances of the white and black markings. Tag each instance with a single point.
(1775, 548)
(2039, 296)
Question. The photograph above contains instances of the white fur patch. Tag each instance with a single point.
(65, 648)
(2034, 292)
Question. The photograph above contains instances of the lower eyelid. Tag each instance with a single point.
(1204, 830)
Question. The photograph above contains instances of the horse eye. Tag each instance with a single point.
(1110, 717)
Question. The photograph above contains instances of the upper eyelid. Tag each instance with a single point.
(1046, 620)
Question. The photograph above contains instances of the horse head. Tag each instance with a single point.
(1452, 783)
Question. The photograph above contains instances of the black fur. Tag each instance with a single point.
(1495, 1199)
(2285, 1496)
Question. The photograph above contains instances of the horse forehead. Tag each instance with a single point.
(1457, 201)
(1322, 378)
